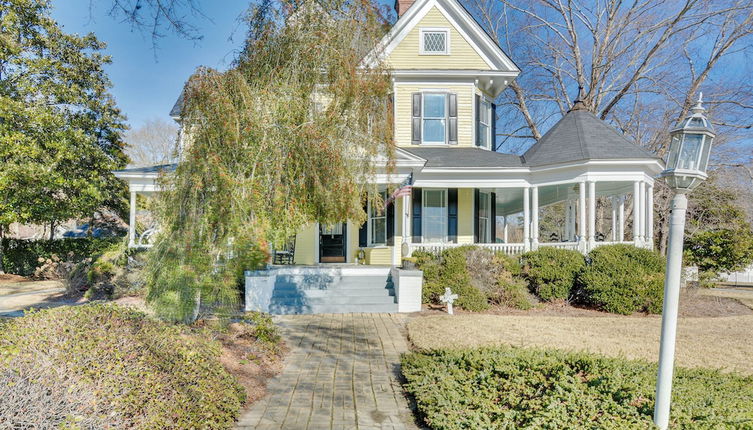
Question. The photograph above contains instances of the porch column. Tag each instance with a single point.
(504, 230)
(636, 213)
(132, 220)
(591, 214)
(621, 216)
(614, 218)
(527, 218)
(535, 221)
(642, 219)
(582, 215)
(650, 216)
(405, 247)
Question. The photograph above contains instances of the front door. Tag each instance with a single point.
(332, 243)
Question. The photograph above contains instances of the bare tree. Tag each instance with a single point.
(640, 64)
(154, 143)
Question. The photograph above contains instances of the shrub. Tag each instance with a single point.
(513, 293)
(551, 272)
(108, 366)
(264, 330)
(623, 279)
(509, 387)
(23, 257)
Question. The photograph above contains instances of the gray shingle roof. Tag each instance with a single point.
(177, 107)
(578, 136)
(464, 157)
(149, 169)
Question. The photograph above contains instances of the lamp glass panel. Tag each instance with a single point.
(707, 142)
(691, 151)
(674, 149)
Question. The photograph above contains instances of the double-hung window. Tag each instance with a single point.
(434, 218)
(484, 123)
(484, 214)
(378, 223)
(434, 118)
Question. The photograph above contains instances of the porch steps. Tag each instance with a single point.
(314, 290)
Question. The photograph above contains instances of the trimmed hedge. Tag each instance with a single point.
(623, 279)
(551, 272)
(21, 257)
(505, 387)
(106, 366)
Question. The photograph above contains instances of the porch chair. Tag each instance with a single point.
(286, 254)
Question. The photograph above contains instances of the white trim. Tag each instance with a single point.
(464, 73)
(422, 30)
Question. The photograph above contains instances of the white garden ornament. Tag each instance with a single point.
(448, 297)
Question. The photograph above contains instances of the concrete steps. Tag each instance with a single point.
(312, 290)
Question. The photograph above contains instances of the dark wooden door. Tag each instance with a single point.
(332, 243)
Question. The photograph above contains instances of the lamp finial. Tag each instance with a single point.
(698, 108)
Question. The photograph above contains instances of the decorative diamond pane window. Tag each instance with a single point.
(435, 42)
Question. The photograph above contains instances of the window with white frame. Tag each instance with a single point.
(484, 213)
(485, 121)
(377, 224)
(434, 215)
(435, 41)
(434, 118)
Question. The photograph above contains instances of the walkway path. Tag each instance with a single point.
(341, 374)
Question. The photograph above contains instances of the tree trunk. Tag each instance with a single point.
(2, 247)
(52, 230)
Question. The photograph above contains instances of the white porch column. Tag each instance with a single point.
(132, 220)
(405, 246)
(621, 216)
(642, 219)
(582, 215)
(527, 218)
(650, 216)
(505, 230)
(535, 220)
(614, 218)
(591, 214)
(636, 213)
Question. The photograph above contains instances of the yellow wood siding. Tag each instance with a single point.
(462, 55)
(305, 245)
(352, 242)
(465, 215)
(403, 106)
(381, 256)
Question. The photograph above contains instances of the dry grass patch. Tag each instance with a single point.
(722, 342)
(743, 294)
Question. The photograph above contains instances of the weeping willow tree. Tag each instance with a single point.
(288, 136)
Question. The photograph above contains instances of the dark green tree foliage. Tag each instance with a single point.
(551, 272)
(60, 131)
(285, 137)
(623, 279)
(718, 236)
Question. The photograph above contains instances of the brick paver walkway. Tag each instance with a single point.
(341, 373)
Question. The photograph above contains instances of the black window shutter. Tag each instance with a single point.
(416, 120)
(363, 236)
(452, 215)
(416, 222)
(478, 119)
(493, 208)
(391, 223)
(452, 120)
(494, 127)
(476, 196)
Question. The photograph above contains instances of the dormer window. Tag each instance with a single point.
(435, 41)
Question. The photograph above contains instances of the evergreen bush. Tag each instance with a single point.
(623, 279)
(23, 257)
(511, 388)
(551, 272)
(106, 366)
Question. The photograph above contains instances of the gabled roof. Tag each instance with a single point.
(461, 19)
(581, 136)
(464, 157)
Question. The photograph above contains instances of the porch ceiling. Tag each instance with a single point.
(510, 200)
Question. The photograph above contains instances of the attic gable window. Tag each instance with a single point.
(435, 41)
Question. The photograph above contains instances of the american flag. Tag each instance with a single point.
(403, 190)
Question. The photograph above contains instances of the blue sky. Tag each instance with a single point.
(147, 83)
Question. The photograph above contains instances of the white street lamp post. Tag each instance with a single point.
(686, 168)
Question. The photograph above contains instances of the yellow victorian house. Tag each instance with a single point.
(456, 188)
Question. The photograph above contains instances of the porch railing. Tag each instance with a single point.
(436, 248)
